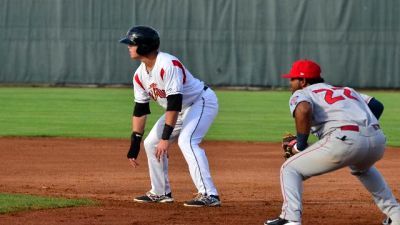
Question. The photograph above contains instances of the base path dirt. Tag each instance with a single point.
(246, 175)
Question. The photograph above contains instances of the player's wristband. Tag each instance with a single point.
(167, 132)
(301, 141)
(134, 149)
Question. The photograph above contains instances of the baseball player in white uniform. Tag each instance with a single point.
(347, 126)
(190, 107)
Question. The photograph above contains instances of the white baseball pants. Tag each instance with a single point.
(191, 127)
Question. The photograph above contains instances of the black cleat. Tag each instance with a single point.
(150, 197)
(280, 221)
(202, 200)
(387, 221)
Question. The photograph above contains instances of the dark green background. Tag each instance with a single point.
(223, 42)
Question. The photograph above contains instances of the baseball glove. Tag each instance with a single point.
(288, 141)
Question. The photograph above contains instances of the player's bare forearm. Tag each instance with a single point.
(138, 124)
(303, 116)
(171, 117)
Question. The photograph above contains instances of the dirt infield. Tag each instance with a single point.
(246, 174)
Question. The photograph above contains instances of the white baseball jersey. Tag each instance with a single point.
(334, 107)
(199, 109)
(168, 77)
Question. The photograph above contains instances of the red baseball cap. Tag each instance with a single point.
(304, 68)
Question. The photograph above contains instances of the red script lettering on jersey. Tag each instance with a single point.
(155, 92)
(329, 94)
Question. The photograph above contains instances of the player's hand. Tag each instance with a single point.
(162, 148)
(133, 162)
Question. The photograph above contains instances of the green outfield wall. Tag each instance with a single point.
(223, 42)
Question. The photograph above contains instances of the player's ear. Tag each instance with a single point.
(303, 82)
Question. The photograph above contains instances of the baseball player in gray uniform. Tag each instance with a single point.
(347, 126)
(190, 107)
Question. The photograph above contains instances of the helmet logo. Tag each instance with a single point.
(133, 37)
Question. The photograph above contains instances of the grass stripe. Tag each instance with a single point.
(106, 113)
(21, 202)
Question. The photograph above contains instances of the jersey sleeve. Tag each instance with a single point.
(366, 98)
(141, 96)
(297, 97)
(174, 79)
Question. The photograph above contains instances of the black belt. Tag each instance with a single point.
(205, 88)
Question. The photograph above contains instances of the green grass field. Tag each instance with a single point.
(106, 112)
(20, 202)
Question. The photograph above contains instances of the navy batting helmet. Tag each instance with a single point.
(146, 38)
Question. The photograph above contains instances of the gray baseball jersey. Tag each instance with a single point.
(349, 137)
(334, 107)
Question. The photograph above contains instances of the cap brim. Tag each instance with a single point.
(125, 41)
